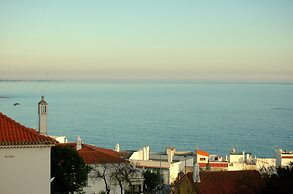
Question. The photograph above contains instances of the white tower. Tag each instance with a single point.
(43, 114)
(78, 143)
(117, 148)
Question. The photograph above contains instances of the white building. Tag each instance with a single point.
(283, 157)
(265, 163)
(24, 159)
(206, 161)
(104, 160)
(169, 164)
(247, 161)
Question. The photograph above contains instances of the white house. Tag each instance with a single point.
(283, 157)
(206, 161)
(24, 159)
(265, 163)
(104, 160)
(247, 161)
(168, 164)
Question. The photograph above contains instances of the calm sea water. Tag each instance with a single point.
(254, 117)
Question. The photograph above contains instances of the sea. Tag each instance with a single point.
(187, 115)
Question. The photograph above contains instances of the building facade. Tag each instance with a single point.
(25, 159)
(105, 164)
(283, 157)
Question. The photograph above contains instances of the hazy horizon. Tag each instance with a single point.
(144, 40)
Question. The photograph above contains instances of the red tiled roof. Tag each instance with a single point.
(214, 164)
(201, 152)
(287, 156)
(13, 133)
(227, 182)
(96, 155)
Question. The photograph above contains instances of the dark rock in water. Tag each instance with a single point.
(280, 108)
(16, 104)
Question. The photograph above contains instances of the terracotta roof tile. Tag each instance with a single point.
(13, 133)
(214, 164)
(201, 152)
(227, 182)
(96, 155)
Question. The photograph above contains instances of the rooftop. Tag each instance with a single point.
(225, 182)
(96, 155)
(13, 133)
(201, 152)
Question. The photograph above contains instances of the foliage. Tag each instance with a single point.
(117, 172)
(122, 172)
(280, 182)
(68, 169)
(101, 171)
(153, 181)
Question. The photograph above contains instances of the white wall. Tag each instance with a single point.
(265, 162)
(97, 185)
(281, 159)
(286, 161)
(136, 155)
(25, 170)
(201, 158)
(142, 154)
(238, 158)
(60, 139)
(177, 167)
(169, 171)
(236, 166)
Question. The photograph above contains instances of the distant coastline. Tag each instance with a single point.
(153, 81)
(20, 80)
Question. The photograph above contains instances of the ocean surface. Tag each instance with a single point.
(213, 116)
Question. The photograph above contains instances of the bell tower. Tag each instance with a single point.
(43, 114)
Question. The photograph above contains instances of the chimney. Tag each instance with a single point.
(147, 153)
(43, 114)
(78, 143)
(117, 148)
(144, 153)
(170, 153)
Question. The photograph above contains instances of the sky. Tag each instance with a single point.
(249, 40)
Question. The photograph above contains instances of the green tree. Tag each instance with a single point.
(280, 182)
(122, 173)
(68, 169)
(153, 181)
(102, 171)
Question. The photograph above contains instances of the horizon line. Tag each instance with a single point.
(152, 80)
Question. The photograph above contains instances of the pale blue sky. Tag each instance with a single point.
(200, 40)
